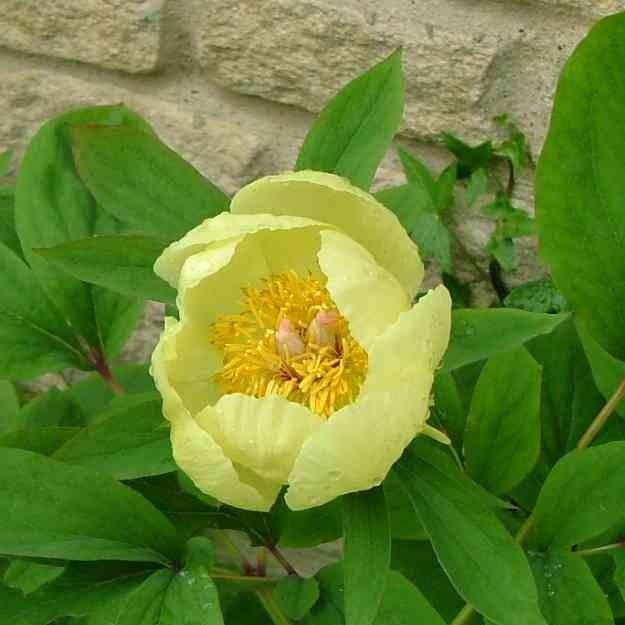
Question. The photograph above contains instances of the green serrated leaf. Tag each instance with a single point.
(539, 296)
(354, 130)
(367, 554)
(478, 185)
(503, 250)
(445, 185)
(502, 438)
(470, 158)
(418, 173)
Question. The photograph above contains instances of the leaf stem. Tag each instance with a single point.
(600, 550)
(279, 556)
(98, 360)
(273, 609)
(601, 419)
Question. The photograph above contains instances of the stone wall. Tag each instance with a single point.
(234, 84)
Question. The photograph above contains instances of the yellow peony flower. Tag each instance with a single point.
(298, 359)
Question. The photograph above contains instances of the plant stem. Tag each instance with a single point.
(98, 360)
(246, 578)
(600, 550)
(273, 609)
(464, 616)
(601, 419)
(279, 556)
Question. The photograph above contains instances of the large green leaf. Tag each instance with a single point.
(54, 510)
(296, 596)
(569, 594)
(83, 589)
(121, 263)
(479, 333)
(417, 561)
(582, 497)
(28, 576)
(9, 407)
(142, 182)
(580, 184)
(367, 554)
(608, 372)
(53, 206)
(488, 569)
(34, 338)
(126, 442)
(352, 133)
(8, 234)
(502, 440)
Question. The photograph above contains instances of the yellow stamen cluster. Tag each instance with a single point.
(324, 377)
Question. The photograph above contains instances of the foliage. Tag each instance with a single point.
(520, 520)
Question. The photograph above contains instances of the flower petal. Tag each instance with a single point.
(333, 200)
(210, 282)
(263, 434)
(214, 230)
(354, 279)
(195, 451)
(358, 445)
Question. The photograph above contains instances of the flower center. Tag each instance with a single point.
(290, 340)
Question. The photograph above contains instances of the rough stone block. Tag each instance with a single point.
(463, 64)
(117, 34)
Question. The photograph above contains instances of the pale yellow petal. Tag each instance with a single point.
(211, 281)
(366, 294)
(332, 199)
(355, 449)
(357, 446)
(203, 460)
(194, 450)
(263, 434)
(215, 230)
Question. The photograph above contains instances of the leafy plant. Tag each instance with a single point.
(518, 517)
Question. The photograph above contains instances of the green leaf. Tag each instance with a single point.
(580, 184)
(53, 206)
(329, 609)
(191, 599)
(482, 560)
(503, 250)
(367, 554)
(404, 523)
(539, 296)
(52, 408)
(478, 185)
(502, 439)
(562, 359)
(607, 371)
(34, 338)
(354, 130)
(28, 576)
(448, 410)
(418, 174)
(479, 333)
(141, 605)
(121, 263)
(126, 442)
(404, 604)
(418, 215)
(470, 158)
(619, 570)
(296, 596)
(445, 185)
(514, 148)
(582, 497)
(80, 591)
(9, 407)
(41, 440)
(5, 162)
(460, 291)
(417, 561)
(142, 182)
(79, 515)
(307, 528)
(569, 594)
(8, 234)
